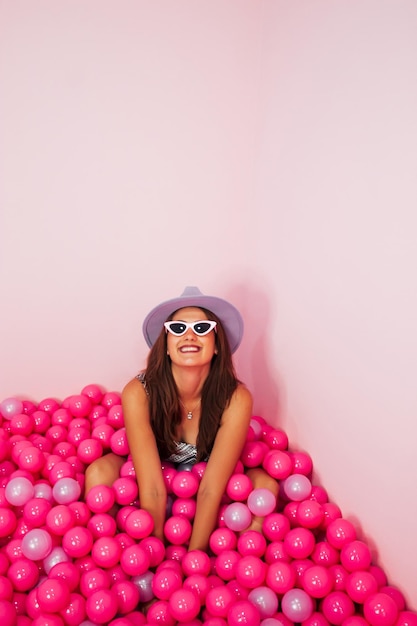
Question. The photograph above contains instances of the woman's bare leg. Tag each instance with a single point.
(103, 471)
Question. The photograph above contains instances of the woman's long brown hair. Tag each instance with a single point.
(164, 404)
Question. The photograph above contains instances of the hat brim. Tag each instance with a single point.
(229, 316)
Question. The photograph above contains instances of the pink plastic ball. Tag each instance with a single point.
(331, 513)
(199, 468)
(134, 560)
(302, 462)
(276, 439)
(253, 453)
(407, 618)
(355, 555)
(380, 609)
(265, 600)
(60, 519)
(261, 502)
(325, 554)
(139, 524)
(75, 611)
(300, 566)
(222, 539)
(243, 612)
(18, 491)
(22, 424)
(78, 405)
(275, 526)
(8, 522)
(66, 490)
(339, 532)
(61, 416)
(101, 606)
(81, 512)
(159, 613)
(185, 507)
(395, 594)
(106, 552)
(36, 544)
(251, 571)
(317, 581)
(103, 432)
(125, 490)
(275, 551)
(61, 469)
(177, 530)
(309, 514)
(360, 585)
(278, 464)
(118, 442)
(185, 484)
(196, 562)
(340, 576)
(93, 580)
(6, 588)
(297, 487)
(50, 405)
(299, 543)
(98, 414)
(155, 548)
(67, 572)
(184, 605)
(77, 542)
(337, 606)
(77, 435)
(318, 619)
(89, 450)
(100, 498)
(251, 542)
(102, 525)
(280, 577)
(239, 487)
(53, 595)
(237, 516)
(8, 613)
(226, 563)
(219, 600)
(165, 582)
(127, 594)
(93, 393)
(23, 574)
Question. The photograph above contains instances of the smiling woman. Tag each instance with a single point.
(187, 406)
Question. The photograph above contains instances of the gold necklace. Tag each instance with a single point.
(190, 411)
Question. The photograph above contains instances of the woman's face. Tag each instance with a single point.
(191, 349)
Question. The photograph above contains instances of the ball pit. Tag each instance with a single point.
(68, 560)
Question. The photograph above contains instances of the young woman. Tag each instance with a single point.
(187, 406)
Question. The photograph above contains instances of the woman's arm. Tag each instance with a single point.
(228, 445)
(144, 451)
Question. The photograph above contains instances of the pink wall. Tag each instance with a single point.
(337, 169)
(264, 151)
(127, 162)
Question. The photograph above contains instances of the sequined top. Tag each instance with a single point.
(185, 452)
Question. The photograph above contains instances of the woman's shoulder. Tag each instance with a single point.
(135, 389)
(242, 393)
(241, 398)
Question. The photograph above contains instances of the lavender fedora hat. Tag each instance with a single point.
(228, 314)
